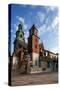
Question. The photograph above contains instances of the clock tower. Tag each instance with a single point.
(33, 45)
(20, 33)
(19, 37)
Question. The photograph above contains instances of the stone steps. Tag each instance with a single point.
(36, 70)
(39, 70)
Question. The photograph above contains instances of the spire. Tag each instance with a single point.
(33, 27)
(20, 33)
(20, 26)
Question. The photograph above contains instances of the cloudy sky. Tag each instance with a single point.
(45, 19)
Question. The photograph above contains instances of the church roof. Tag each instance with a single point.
(20, 28)
(23, 44)
(18, 31)
(33, 27)
(49, 51)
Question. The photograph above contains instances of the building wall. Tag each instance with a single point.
(43, 64)
(35, 44)
(52, 55)
(35, 58)
(15, 60)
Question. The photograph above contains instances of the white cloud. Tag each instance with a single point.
(54, 25)
(50, 28)
(21, 19)
(54, 49)
(16, 26)
(25, 26)
(42, 29)
(26, 36)
(40, 16)
(50, 8)
(55, 22)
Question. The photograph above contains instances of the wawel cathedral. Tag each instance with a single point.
(32, 57)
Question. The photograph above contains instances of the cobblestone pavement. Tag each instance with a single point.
(34, 79)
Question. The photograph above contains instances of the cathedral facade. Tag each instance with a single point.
(32, 54)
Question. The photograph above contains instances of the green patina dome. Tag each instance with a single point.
(20, 33)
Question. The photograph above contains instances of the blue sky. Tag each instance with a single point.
(45, 19)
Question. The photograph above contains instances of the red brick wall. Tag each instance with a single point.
(35, 44)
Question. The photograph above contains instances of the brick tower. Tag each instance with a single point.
(33, 45)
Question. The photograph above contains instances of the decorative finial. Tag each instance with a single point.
(20, 26)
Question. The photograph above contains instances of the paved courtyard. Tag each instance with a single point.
(33, 79)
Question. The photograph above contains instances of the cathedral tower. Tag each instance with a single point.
(19, 37)
(33, 45)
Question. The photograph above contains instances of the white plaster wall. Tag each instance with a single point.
(46, 53)
(35, 58)
(14, 60)
(52, 55)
